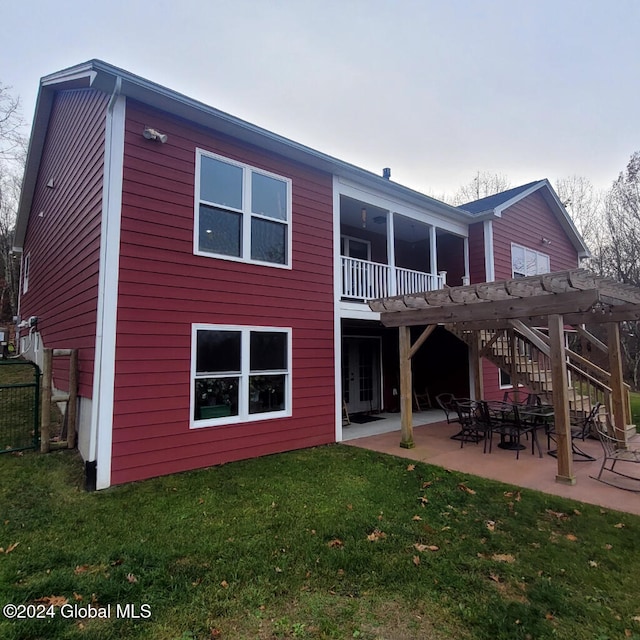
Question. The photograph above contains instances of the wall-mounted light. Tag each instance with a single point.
(153, 134)
(546, 241)
(363, 215)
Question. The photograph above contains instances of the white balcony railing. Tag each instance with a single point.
(364, 280)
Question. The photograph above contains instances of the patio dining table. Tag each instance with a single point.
(514, 420)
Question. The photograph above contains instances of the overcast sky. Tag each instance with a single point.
(435, 89)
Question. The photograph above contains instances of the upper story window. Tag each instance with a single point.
(527, 262)
(242, 213)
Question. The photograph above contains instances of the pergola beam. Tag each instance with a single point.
(498, 310)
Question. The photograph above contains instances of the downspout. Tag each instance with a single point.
(92, 463)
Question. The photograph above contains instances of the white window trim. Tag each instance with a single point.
(246, 212)
(243, 404)
(525, 249)
(348, 239)
(26, 266)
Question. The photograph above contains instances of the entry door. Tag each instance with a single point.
(361, 374)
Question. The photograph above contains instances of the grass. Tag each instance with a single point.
(330, 542)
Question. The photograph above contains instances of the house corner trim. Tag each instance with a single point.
(105, 349)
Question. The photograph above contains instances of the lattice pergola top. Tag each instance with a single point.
(579, 295)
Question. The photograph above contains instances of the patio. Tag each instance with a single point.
(433, 445)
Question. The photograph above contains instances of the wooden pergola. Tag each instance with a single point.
(553, 300)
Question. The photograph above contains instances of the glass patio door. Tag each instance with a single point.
(361, 374)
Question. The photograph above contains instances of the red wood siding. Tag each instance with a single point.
(64, 243)
(164, 288)
(525, 223)
(477, 267)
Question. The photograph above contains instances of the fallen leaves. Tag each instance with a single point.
(557, 514)
(503, 557)
(376, 535)
(55, 601)
(515, 495)
(10, 548)
(425, 547)
(336, 543)
(571, 537)
(463, 487)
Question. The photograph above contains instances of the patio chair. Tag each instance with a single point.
(615, 451)
(446, 403)
(518, 396)
(473, 423)
(422, 399)
(510, 423)
(580, 429)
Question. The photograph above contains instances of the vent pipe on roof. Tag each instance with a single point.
(386, 173)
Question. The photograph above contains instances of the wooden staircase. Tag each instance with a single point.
(524, 353)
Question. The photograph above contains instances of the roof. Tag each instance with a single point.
(496, 200)
(495, 205)
(113, 80)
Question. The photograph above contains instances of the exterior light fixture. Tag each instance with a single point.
(153, 134)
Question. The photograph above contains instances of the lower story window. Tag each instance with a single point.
(240, 374)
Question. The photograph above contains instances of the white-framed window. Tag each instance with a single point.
(26, 263)
(355, 248)
(239, 374)
(241, 212)
(527, 262)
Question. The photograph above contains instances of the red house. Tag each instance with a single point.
(214, 275)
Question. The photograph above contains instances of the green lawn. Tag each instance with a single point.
(330, 542)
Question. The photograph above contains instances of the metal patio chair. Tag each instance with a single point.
(617, 451)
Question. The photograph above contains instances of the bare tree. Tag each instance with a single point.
(622, 213)
(13, 144)
(482, 185)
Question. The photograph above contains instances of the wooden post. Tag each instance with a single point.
(514, 374)
(406, 389)
(45, 401)
(476, 363)
(72, 404)
(561, 400)
(618, 398)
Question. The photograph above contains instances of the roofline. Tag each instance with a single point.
(553, 201)
(103, 77)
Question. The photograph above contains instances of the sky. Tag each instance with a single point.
(437, 90)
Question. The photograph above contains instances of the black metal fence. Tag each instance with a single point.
(19, 405)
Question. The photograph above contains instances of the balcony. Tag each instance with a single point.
(363, 280)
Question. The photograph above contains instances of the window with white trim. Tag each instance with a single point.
(527, 262)
(239, 374)
(25, 273)
(242, 213)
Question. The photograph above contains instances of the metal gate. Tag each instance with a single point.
(19, 405)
